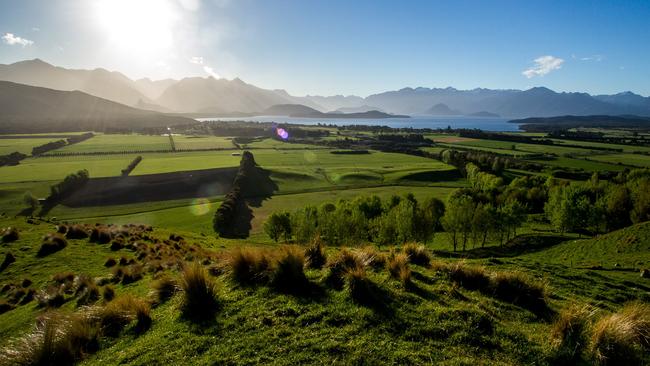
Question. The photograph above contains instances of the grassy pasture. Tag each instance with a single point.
(7, 146)
(626, 159)
(587, 144)
(57, 168)
(587, 165)
(118, 142)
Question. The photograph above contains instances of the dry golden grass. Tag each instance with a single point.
(569, 333)
(199, 293)
(620, 338)
(398, 267)
(417, 254)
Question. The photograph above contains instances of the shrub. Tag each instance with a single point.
(519, 289)
(163, 289)
(344, 261)
(76, 232)
(398, 268)
(315, 254)
(359, 286)
(52, 243)
(417, 254)
(568, 334)
(249, 266)
(287, 274)
(9, 235)
(470, 277)
(200, 294)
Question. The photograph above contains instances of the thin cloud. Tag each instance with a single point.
(210, 71)
(596, 58)
(197, 60)
(12, 39)
(543, 65)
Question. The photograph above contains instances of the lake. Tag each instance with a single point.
(433, 122)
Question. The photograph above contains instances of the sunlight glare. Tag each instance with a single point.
(140, 27)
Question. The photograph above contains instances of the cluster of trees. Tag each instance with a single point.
(485, 160)
(364, 219)
(126, 171)
(226, 221)
(12, 159)
(52, 145)
(69, 184)
(600, 206)
(78, 138)
(467, 219)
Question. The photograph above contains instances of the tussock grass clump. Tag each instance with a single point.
(120, 312)
(100, 235)
(58, 339)
(9, 234)
(163, 289)
(359, 286)
(9, 258)
(199, 293)
(287, 272)
(519, 289)
(371, 257)
(86, 290)
(50, 297)
(249, 266)
(108, 293)
(76, 232)
(343, 262)
(398, 268)
(5, 306)
(315, 256)
(110, 262)
(469, 277)
(417, 254)
(569, 334)
(52, 243)
(621, 338)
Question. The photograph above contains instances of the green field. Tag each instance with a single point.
(587, 165)
(625, 159)
(7, 146)
(118, 143)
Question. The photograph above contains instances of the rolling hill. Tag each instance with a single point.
(33, 109)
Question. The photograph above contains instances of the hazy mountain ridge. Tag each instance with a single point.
(28, 108)
(210, 96)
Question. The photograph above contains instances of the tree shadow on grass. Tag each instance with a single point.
(522, 244)
(258, 186)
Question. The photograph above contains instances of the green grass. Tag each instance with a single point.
(431, 321)
(625, 159)
(57, 168)
(117, 142)
(154, 163)
(629, 247)
(625, 148)
(7, 146)
(587, 165)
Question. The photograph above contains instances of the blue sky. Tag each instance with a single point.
(344, 47)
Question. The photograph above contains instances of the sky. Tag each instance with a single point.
(345, 47)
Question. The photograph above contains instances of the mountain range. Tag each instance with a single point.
(211, 97)
(26, 109)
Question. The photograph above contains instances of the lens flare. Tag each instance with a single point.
(200, 206)
(282, 133)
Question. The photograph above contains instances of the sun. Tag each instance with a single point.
(140, 27)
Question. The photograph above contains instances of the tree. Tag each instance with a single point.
(569, 208)
(617, 205)
(304, 224)
(482, 223)
(30, 200)
(429, 218)
(278, 224)
(458, 219)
